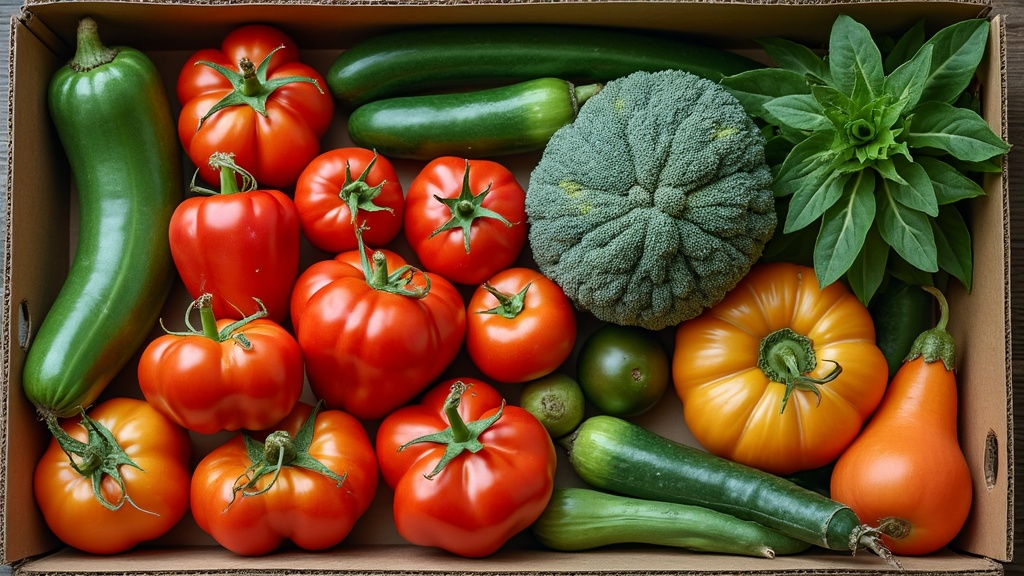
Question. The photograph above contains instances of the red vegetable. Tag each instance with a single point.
(465, 219)
(520, 326)
(374, 331)
(239, 245)
(229, 375)
(468, 471)
(255, 99)
(309, 481)
(346, 188)
(126, 483)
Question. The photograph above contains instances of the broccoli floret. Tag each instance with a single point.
(654, 202)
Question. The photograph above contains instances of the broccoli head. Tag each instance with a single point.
(654, 202)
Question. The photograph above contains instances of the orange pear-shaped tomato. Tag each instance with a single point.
(907, 464)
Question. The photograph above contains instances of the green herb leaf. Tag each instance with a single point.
(957, 131)
(854, 61)
(902, 270)
(907, 230)
(807, 160)
(905, 47)
(867, 273)
(795, 57)
(956, 52)
(799, 111)
(812, 200)
(916, 190)
(755, 87)
(949, 184)
(953, 240)
(906, 83)
(844, 227)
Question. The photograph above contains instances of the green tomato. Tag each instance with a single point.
(557, 401)
(623, 370)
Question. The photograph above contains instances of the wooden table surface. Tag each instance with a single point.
(1014, 11)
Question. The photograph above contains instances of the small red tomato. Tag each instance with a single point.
(465, 219)
(519, 326)
(347, 188)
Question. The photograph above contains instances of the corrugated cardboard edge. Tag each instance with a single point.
(486, 2)
(5, 353)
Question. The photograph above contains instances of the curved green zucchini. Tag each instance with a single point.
(415, 59)
(113, 117)
(497, 121)
(581, 519)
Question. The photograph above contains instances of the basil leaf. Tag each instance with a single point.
(755, 87)
(854, 61)
(956, 52)
(953, 240)
(957, 131)
(902, 270)
(949, 184)
(844, 227)
(817, 195)
(813, 154)
(906, 83)
(795, 57)
(907, 230)
(916, 190)
(906, 47)
(799, 111)
(866, 274)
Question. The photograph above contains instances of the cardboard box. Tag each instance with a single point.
(40, 240)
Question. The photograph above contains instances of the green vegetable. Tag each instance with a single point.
(654, 202)
(901, 312)
(581, 519)
(623, 370)
(505, 120)
(557, 401)
(615, 455)
(417, 59)
(875, 147)
(114, 121)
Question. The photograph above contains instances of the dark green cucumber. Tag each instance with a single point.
(616, 455)
(581, 519)
(508, 119)
(412, 60)
(113, 117)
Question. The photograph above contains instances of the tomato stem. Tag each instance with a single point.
(787, 357)
(459, 436)
(466, 208)
(209, 322)
(359, 195)
(402, 282)
(935, 343)
(509, 305)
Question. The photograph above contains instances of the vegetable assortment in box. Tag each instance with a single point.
(609, 289)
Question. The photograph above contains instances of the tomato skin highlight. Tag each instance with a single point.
(309, 509)
(321, 199)
(493, 245)
(479, 500)
(151, 440)
(534, 342)
(733, 407)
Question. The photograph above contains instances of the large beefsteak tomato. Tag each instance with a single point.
(308, 481)
(253, 98)
(781, 374)
(469, 472)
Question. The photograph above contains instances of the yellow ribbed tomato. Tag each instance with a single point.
(780, 375)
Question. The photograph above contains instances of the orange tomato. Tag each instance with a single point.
(781, 374)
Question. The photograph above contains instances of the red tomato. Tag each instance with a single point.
(157, 483)
(346, 188)
(253, 98)
(374, 336)
(228, 376)
(313, 499)
(474, 499)
(519, 326)
(465, 219)
(238, 245)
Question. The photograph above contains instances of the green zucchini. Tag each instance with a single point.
(415, 59)
(113, 118)
(581, 519)
(616, 455)
(508, 119)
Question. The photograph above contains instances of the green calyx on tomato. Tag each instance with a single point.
(280, 450)
(460, 435)
(465, 208)
(230, 173)
(786, 357)
(401, 282)
(509, 305)
(100, 457)
(251, 87)
(358, 194)
(209, 322)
